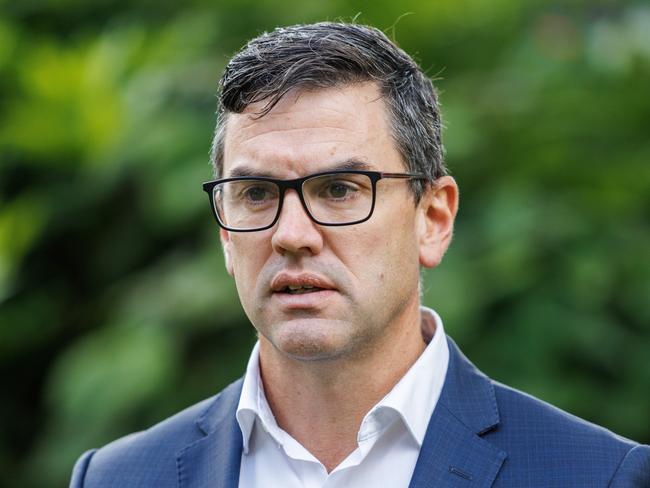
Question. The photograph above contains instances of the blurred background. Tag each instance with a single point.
(115, 309)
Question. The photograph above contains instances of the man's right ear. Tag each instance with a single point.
(225, 245)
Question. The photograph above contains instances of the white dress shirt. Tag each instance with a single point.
(389, 438)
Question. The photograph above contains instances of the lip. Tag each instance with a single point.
(312, 300)
(282, 280)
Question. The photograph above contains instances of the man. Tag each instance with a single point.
(331, 195)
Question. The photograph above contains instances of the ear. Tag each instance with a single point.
(436, 213)
(226, 245)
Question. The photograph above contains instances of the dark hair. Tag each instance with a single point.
(331, 54)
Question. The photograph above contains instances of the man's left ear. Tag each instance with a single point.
(436, 213)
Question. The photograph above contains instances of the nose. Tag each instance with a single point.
(295, 232)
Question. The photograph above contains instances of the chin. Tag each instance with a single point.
(312, 340)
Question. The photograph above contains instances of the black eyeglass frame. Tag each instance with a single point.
(296, 184)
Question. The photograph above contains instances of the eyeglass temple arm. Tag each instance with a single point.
(404, 175)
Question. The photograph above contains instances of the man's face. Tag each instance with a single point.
(365, 276)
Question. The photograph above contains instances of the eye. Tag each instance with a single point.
(256, 193)
(339, 189)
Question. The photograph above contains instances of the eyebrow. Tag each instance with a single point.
(348, 164)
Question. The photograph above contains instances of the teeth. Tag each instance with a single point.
(298, 287)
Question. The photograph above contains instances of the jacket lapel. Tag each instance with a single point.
(453, 453)
(214, 460)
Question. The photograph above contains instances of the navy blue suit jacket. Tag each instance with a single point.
(481, 434)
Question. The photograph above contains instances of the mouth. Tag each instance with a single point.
(300, 284)
(300, 289)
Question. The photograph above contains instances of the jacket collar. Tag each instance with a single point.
(453, 449)
(214, 460)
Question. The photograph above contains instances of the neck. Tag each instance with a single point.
(321, 404)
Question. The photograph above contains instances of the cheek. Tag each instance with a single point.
(247, 256)
(375, 254)
(399, 250)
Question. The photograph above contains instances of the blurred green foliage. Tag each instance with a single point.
(115, 309)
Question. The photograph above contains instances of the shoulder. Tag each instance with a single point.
(521, 413)
(147, 455)
(540, 445)
(544, 441)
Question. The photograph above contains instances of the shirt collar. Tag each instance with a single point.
(415, 396)
(248, 408)
(412, 399)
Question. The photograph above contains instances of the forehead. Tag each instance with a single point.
(310, 130)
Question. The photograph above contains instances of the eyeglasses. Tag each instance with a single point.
(334, 198)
